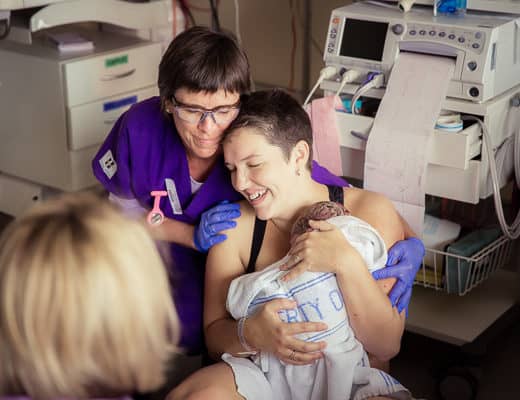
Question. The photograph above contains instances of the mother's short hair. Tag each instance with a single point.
(278, 116)
(85, 304)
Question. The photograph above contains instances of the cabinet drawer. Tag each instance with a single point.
(96, 78)
(90, 123)
(448, 149)
(454, 183)
(455, 149)
(349, 125)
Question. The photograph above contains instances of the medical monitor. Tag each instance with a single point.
(363, 39)
(369, 38)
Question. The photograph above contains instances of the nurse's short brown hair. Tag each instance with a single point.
(202, 60)
(85, 305)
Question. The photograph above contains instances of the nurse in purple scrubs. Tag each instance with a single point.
(170, 145)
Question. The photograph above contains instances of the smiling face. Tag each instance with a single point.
(201, 139)
(261, 172)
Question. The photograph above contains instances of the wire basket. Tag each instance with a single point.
(459, 274)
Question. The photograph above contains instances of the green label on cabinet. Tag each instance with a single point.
(119, 60)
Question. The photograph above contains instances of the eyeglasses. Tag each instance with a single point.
(221, 115)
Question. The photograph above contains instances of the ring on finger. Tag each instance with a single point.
(296, 258)
(291, 356)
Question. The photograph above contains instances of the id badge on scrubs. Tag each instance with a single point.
(173, 196)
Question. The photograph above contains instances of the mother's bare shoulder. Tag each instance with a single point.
(377, 210)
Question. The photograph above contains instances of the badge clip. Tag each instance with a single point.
(156, 216)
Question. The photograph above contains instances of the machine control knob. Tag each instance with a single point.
(474, 92)
(398, 29)
(472, 65)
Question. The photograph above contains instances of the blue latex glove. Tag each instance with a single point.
(212, 222)
(404, 260)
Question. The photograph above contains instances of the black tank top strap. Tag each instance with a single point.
(336, 194)
(258, 238)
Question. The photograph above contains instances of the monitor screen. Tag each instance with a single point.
(363, 39)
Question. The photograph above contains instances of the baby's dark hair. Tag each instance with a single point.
(319, 211)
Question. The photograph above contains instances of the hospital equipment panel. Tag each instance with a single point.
(368, 37)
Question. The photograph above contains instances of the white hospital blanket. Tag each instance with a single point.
(344, 371)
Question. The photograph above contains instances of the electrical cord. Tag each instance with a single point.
(314, 42)
(387, 5)
(215, 22)
(379, 4)
(174, 18)
(515, 102)
(294, 40)
(511, 231)
(325, 73)
(348, 76)
(188, 15)
(374, 81)
(237, 22)
(406, 5)
(239, 36)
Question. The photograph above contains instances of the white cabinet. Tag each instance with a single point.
(56, 109)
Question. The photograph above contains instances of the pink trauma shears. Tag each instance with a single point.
(156, 216)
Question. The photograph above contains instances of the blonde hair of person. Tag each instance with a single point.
(85, 304)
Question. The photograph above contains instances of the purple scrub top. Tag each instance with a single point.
(140, 152)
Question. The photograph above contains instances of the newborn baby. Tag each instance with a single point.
(318, 211)
(324, 210)
(344, 372)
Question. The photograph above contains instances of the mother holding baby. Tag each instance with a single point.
(268, 151)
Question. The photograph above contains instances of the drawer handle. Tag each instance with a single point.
(359, 135)
(117, 76)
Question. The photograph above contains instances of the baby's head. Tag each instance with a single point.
(85, 305)
(319, 211)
